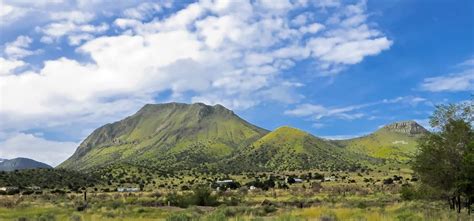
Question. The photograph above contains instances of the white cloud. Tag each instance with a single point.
(318, 111)
(37, 148)
(8, 66)
(10, 13)
(411, 100)
(76, 17)
(463, 81)
(342, 137)
(76, 33)
(19, 48)
(218, 52)
(143, 11)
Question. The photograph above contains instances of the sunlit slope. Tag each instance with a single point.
(170, 136)
(288, 148)
(395, 141)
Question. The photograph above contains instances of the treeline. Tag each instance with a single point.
(48, 179)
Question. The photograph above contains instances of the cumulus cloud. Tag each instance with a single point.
(7, 66)
(225, 52)
(37, 148)
(10, 13)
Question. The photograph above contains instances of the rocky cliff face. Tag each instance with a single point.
(406, 127)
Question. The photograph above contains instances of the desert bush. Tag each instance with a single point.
(408, 192)
(8, 202)
(179, 217)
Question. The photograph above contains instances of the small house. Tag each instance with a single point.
(298, 180)
(223, 182)
(8, 188)
(128, 189)
(328, 179)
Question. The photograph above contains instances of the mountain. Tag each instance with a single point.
(170, 136)
(21, 164)
(289, 148)
(176, 136)
(396, 141)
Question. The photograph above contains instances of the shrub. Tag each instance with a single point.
(202, 196)
(388, 181)
(408, 192)
(178, 217)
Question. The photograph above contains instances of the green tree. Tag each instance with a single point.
(445, 159)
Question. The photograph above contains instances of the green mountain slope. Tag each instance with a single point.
(395, 141)
(169, 136)
(288, 148)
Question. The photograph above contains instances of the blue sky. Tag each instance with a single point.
(336, 69)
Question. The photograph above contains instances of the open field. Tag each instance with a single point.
(141, 207)
(350, 196)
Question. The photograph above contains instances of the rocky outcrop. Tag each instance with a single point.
(407, 127)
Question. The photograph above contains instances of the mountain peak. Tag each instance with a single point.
(409, 127)
(288, 129)
(203, 108)
(21, 163)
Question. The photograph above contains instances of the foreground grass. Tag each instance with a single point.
(339, 211)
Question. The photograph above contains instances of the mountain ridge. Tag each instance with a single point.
(177, 136)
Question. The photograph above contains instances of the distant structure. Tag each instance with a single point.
(8, 188)
(328, 179)
(223, 182)
(291, 180)
(128, 189)
(298, 180)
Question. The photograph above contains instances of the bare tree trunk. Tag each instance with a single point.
(459, 203)
(453, 203)
(469, 201)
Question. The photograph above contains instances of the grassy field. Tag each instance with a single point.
(346, 209)
(360, 195)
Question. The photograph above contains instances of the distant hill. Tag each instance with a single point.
(289, 148)
(171, 136)
(21, 164)
(396, 141)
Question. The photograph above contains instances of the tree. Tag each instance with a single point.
(445, 159)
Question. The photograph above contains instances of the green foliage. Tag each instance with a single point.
(446, 157)
(201, 195)
(179, 217)
(49, 179)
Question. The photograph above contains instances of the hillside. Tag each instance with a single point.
(396, 141)
(168, 136)
(21, 164)
(289, 148)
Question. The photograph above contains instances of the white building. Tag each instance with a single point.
(128, 189)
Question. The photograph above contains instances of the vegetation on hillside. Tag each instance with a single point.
(171, 136)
